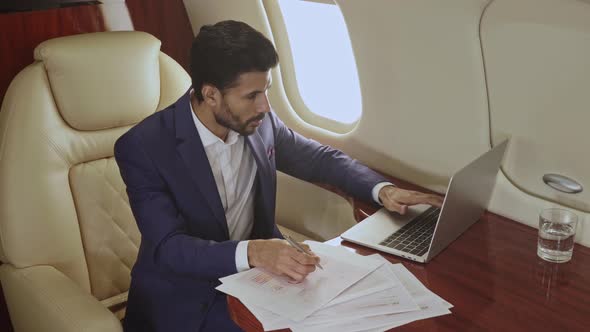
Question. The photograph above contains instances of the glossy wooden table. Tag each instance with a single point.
(496, 282)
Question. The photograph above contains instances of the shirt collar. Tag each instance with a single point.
(207, 137)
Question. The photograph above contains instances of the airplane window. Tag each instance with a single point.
(325, 68)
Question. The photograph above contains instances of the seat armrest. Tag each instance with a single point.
(41, 298)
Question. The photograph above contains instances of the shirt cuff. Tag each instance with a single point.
(377, 188)
(242, 256)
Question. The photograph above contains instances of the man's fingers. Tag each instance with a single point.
(294, 261)
(293, 281)
(295, 277)
(297, 272)
(436, 201)
(305, 259)
(392, 205)
(308, 249)
(280, 258)
(414, 198)
(428, 199)
(301, 268)
(397, 199)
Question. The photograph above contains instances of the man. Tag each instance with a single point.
(201, 181)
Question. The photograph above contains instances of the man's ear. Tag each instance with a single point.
(211, 94)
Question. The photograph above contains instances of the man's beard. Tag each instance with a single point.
(228, 119)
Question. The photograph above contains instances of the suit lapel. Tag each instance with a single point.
(258, 150)
(191, 150)
(265, 179)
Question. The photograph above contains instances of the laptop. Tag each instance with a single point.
(424, 231)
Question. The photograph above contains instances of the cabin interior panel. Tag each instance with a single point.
(431, 103)
(441, 83)
(537, 60)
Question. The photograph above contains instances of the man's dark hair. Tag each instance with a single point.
(223, 51)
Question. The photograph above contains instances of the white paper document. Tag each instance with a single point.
(341, 270)
(394, 299)
(430, 306)
(379, 280)
(382, 279)
(353, 293)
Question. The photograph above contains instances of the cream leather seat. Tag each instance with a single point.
(67, 235)
(68, 238)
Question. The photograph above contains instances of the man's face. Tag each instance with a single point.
(244, 105)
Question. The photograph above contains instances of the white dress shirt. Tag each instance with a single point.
(234, 170)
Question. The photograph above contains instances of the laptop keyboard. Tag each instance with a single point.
(415, 236)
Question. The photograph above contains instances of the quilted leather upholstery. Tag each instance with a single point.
(67, 235)
(109, 233)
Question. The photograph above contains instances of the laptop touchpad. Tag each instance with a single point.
(382, 224)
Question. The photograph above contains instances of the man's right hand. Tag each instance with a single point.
(280, 258)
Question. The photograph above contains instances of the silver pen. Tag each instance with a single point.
(300, 248)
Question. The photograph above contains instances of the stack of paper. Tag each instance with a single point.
(351, 293)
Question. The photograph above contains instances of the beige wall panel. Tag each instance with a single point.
(421, 70)
(537, 56)
(116, 15)
(422, 83)
(414, 80)
(513, 203)
(408, 85)
(310, 210)
(422, 80)
(202, 12)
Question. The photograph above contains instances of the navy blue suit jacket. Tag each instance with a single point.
(185, 246)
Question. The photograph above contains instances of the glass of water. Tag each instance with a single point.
(557, 228)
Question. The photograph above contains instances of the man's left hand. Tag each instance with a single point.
(397, 200)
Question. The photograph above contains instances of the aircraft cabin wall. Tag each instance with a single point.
(442, 82)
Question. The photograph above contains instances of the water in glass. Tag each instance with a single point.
(556, 242)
